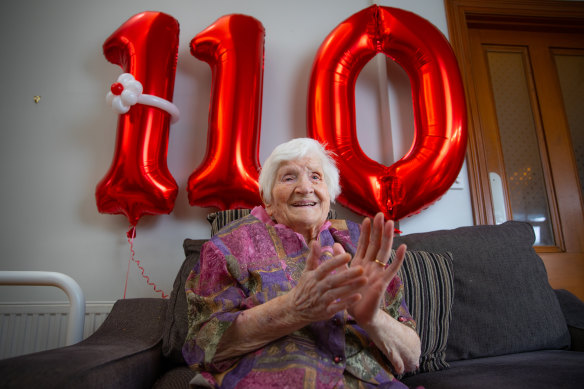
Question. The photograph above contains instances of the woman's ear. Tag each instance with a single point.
(267, 206)
(269, 209)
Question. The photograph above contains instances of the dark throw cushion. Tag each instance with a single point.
(176, 325)
(428, 287)
(503, 302)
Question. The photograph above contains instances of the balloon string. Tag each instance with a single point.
(128, 272)
(131, 234)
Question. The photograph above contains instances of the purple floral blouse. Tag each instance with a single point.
(253, 260)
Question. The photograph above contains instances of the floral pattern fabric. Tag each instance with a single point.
(253, 260)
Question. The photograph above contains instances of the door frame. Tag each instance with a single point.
(461, 15)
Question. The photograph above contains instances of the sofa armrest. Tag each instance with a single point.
(125, 352)
(573, 309)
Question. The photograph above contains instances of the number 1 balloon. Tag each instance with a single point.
(138, 181)
(228, 176)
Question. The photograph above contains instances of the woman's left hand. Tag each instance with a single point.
(373, 253)
(398, 342)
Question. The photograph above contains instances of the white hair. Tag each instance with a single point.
(291, 151)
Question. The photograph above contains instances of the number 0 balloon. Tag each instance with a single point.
(432, 164)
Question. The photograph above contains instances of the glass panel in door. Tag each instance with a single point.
(570, 69)
(518, 132)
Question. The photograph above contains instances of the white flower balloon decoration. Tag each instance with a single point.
(127, 91)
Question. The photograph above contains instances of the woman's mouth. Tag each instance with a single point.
(304, 204)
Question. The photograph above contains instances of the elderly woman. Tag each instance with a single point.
(286, 298)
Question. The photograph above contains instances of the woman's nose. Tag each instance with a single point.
(304, 185)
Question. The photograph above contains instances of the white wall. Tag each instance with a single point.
(52, 154)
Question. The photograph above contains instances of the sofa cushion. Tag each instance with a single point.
(503, 302)
(176, 325)
(428, 288)
(534, 370)
(176, 378)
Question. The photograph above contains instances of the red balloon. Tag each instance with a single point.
(432, 164)
(228, 176)
(138, 181)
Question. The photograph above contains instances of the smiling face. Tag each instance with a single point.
(300, 197)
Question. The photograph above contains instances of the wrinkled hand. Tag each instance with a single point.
(374, 244)
(328, 288)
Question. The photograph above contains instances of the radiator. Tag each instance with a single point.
(32, 327)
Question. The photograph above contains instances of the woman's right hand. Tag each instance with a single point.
(328, 288)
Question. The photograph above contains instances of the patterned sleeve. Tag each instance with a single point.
(395, 303)
(213, 298)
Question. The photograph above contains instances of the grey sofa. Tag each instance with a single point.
(486, 315)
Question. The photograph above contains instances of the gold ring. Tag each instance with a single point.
(377, 261)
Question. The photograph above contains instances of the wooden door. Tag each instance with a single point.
(525, 80)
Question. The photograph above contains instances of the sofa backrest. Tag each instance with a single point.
(503, 301)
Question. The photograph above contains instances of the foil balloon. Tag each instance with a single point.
(227, 177)
(138, 181)
(433, 162)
